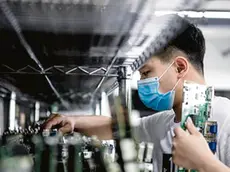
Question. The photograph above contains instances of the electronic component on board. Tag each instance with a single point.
(197, 101)
(75, 160)
(54, 152)
(145, 153)
(197, 104)
(210, 128)
(210, 134)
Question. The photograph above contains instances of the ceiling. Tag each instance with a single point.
(209, 5)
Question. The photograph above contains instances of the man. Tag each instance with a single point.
(160, 88)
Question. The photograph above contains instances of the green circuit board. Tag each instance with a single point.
(197, 104)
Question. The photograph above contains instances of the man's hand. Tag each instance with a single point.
(65, 124)
(87, 125)
(190, 149)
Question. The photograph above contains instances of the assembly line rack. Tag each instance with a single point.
(69, 49)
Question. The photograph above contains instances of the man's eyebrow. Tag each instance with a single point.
(143, 68)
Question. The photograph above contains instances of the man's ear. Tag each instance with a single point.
(182, 66)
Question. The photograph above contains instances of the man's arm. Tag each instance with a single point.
(100, 126)
(213, 165)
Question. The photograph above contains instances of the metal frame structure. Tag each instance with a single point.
(124, 80)
(123, 72)
(15, 25)
(62, 70)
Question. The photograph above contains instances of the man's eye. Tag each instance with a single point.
(146, 73)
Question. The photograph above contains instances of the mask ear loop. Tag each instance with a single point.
(176, 84)
(166, 70)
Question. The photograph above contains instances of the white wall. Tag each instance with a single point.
(217, 67)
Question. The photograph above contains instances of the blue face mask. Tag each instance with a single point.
(148, 90)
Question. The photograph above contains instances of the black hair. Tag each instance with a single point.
(190, 41)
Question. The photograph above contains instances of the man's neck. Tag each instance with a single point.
(195, 77)
(178, 111)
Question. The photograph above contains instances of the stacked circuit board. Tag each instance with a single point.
(197, 104)
(47, 150)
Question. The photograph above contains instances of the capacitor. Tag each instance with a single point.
(46, 133)
(128, 149)
(208, 110)
(209, 93)
(212, 146)
(111, 147)
(211, 142)
(53, 132)
(149, 152)
(213, 129)
(141, 152)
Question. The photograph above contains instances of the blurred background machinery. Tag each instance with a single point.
(33, 149)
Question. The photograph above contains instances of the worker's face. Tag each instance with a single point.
(155, 68)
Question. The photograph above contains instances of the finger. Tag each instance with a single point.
(174, 143)
(179, 132)
(67, 128)
(173, 152)
(176, 161)
(174, 157)
(53, 115)
(50, 118)
(191, 127)
(52, 122)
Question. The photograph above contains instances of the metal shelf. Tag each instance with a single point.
(63, 50)
(60, 70)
